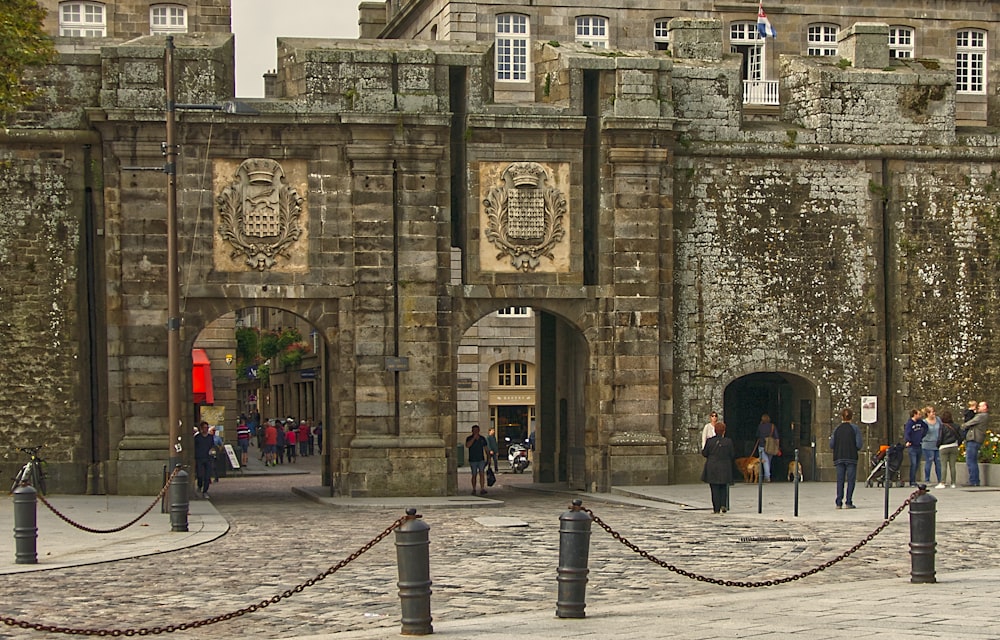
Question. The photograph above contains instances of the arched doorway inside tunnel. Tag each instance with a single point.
(264, 365)
(789, 400)
(520, 372)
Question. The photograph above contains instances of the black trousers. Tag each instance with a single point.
(720, 497)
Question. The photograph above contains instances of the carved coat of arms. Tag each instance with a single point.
(259, 213)
(525, 215)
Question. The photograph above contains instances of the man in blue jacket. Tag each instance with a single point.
(846, 442)
(913, 434)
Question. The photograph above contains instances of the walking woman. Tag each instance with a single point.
(719, 455)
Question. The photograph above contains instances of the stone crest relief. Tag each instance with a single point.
(524, 216)
(259, 214)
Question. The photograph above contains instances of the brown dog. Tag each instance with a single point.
(750, 468)
(795, 469)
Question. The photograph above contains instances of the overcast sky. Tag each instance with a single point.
(258, 23)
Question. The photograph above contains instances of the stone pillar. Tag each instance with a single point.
(695, 38)
(640, 230)
(865, 44)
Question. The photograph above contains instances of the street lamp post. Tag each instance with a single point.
(174, 394)
(173, 285)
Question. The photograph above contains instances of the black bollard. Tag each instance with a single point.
(795, 478)
(413, 564)
(177, 494)
(574, 553)
(923, 546)
(760, 480)
(25, 525)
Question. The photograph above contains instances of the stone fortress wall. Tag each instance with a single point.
(848, 240)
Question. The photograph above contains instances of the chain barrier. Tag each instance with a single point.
(70, 522)
(749, 584)
(184, 626)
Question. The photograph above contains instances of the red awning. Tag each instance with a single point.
(201, 378)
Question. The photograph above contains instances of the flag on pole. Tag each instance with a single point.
(764, 28)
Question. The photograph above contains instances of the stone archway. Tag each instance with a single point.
(791, 402)
(563, 412)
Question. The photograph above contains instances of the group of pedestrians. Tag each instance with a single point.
(937, 439)
(285, 439)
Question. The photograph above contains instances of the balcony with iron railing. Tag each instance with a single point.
(760, 92)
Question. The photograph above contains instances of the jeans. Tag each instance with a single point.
(949, 456)
(846, 472)
(972, 461)
(204, 472)
(932, 456)
(914, 452)
(765, 465)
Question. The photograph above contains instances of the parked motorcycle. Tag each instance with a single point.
(517, 456)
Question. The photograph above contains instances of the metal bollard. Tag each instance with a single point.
(795, 478)
(760, 481)
(178, 496)
(923, 546)
(414, 567)
(574, 553)
(25, 525)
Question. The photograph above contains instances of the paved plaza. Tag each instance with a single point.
(493, 563)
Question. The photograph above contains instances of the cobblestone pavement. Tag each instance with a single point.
(278, 541)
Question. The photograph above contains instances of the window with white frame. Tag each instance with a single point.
(745, 40)
(900, 42)
(592, 31)
(822, 40)
(513, 30)
(512, 374)
(514, 312)
(168, 18)
(82, 19)
(661, 34)
(970, 61)
(743, 32)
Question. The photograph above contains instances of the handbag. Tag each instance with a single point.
(491, 478)
(772, 446)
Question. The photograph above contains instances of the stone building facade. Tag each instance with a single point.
(682, 251)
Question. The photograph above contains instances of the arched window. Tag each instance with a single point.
(82, 19)
(512, 374)
(168, 18)
(822, 39)
(592, 31)
(513, 30)
(900, 41)
(970, 61)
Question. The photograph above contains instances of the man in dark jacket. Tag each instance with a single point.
(846, 442)
(204, 446)
(913, 434)
(975, 435)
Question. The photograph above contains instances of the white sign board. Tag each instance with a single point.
(869, 409)
(232, 456)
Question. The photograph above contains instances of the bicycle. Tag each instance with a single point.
(32, 473)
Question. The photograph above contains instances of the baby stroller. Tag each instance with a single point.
(891, 455)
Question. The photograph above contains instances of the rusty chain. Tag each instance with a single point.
(69, 521)
(148, 631)
(749, 584)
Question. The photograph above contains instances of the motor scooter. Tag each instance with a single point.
(517, 456)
